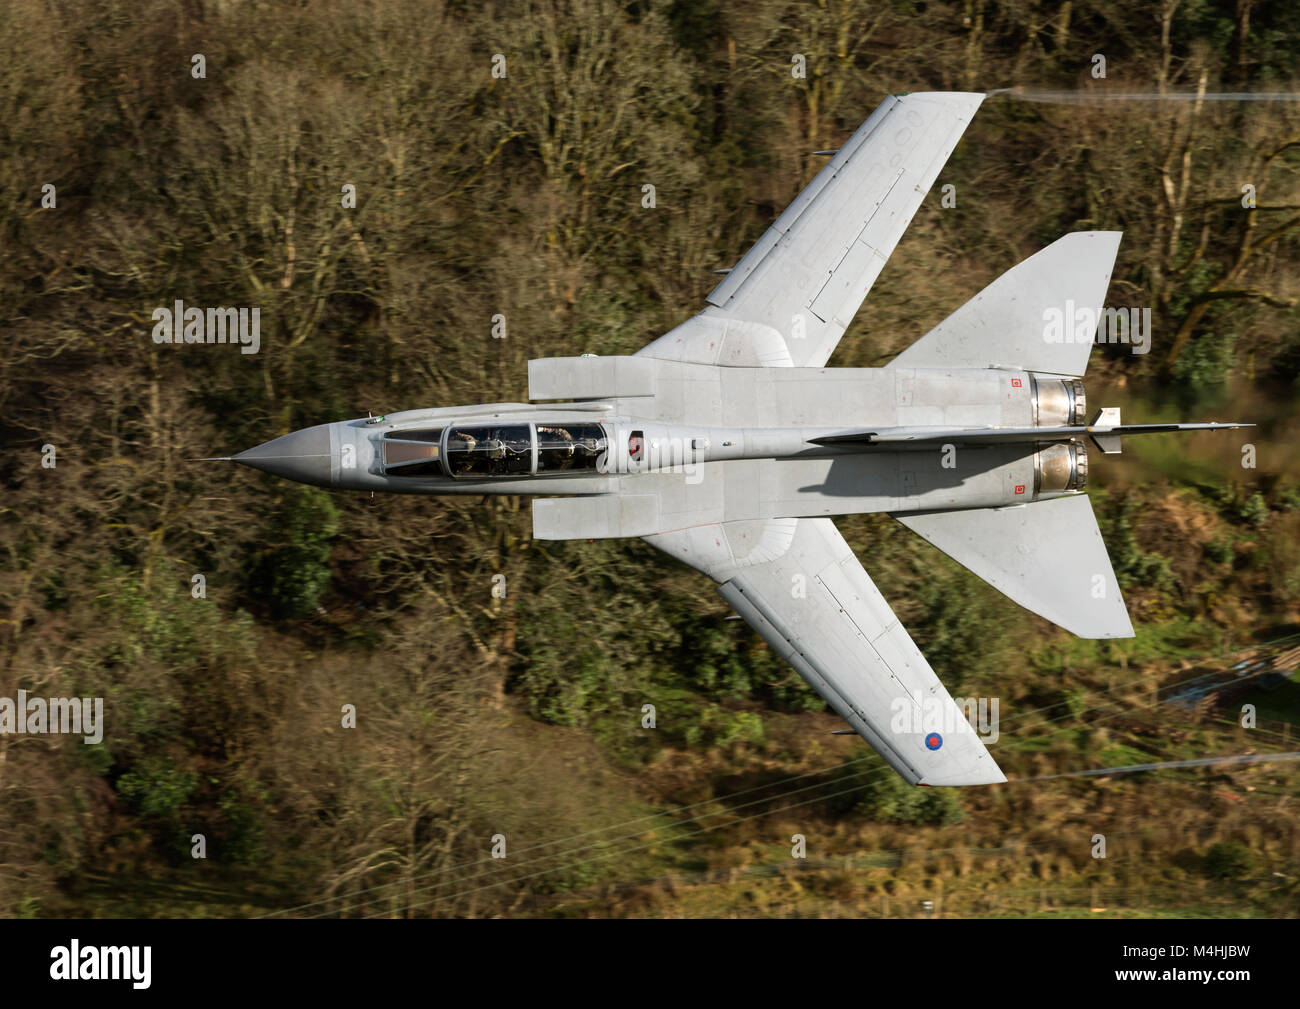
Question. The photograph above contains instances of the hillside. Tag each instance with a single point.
(522, 196)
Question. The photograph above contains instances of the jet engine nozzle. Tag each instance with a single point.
(1058, 402)
(1059, 468)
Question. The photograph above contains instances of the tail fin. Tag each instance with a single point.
(1006, 324)
(1047, 556)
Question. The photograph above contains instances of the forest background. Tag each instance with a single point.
(522, 196)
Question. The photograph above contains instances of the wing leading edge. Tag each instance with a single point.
(798, 584)
(790, 298)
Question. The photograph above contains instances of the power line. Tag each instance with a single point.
(670, 813)
(624, 851)
(1244, 758)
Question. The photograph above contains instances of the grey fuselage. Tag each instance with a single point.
(720, 444)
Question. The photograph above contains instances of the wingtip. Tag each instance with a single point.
(983, 771)
(996, 778)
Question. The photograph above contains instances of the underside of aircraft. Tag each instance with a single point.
(727, 443)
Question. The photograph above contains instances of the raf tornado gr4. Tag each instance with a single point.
(729, 445)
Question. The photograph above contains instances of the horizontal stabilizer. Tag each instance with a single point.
(909, 436)
(1041, 315)
(1047, 556)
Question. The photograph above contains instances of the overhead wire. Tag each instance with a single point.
(734, 822)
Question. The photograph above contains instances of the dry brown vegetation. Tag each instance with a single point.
(519, 716)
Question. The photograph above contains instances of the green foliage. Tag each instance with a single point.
(159, 622)
(1229, 860)
(1255, 510)
(242, 838)
(571, 671)
(520, 196)
(1288, 498)
(1202, 369)
(571, 876)
(567, 692)
(709, 725)
(1133, 566)
(1237, 502)
(960, 622)
(727, 659)
(682, 719)
(294, 572)
(157, 789)
(887, 798)
(1198, 279)
(1219, 550)
(1121, 755)
(1075, 702)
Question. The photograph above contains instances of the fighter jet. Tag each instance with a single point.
(728, 444)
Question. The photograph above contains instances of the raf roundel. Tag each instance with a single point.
(933, 741)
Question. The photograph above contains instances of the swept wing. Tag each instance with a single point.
(798, 584)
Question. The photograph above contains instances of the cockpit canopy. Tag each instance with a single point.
(490, 450)
(477, 450)
(413, 452)
(563, 447)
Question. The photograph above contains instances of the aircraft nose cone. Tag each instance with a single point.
(304, 456)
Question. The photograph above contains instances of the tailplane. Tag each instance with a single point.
(1047, 556)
